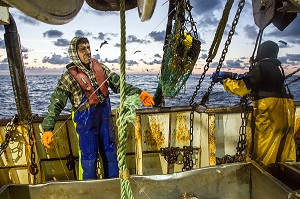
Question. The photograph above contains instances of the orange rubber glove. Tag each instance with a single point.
(146, 98)
(47, 138)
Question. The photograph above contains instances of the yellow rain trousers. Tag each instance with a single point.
(274, 126)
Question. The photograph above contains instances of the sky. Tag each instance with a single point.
(44, 46)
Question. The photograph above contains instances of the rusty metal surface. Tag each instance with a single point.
(233, 109)
(233, 181)
(156, 130)
(180, 129)
(153, 136)
(212, 139)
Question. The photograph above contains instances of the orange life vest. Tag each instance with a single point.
(93, 96)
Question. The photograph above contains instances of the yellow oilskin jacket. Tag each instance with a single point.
(274, 126)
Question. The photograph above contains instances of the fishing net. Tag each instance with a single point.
(183, 48)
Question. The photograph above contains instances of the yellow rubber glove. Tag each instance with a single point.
(146, 98)
(47, 138)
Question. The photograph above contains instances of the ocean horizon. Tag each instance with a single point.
(40, 88)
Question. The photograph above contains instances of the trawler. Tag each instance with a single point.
(189, 151)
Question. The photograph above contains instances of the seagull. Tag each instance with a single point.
(105, 42)
(283, 42)
(137, 51)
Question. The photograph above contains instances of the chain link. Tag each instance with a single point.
(33, 168)
(10, 127)
(241, 145)
(70, 162)
(240, 155)
(225, 50)
(171, 153)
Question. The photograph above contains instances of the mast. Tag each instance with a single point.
(16, 68)
(158, 97)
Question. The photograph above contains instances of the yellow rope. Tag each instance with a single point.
(220, 30)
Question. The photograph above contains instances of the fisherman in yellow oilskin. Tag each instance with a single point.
(273, 106)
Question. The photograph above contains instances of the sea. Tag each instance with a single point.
(40, 88)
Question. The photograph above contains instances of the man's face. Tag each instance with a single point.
(84, 53)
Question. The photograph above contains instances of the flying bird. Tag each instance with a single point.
(283, 42)
(137, 51)
(105, 42)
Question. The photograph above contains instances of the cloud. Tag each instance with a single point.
(24, 49)
(118, 45)
(206, 22)
(101, 36)
(234, 64)
(53, 33)
(155, 61)
(97, 56)
(112, 61)
(117, 61)
(201, 7)
(56, 59)
(134, 39)
(28, 20)
(80, 33)
(88, 9)
(131, 62)
(61, 42)
(158, 36)
(293, 57)
(105, 36)
(203, 56)
(158, 56)
(290, 59)
(214, 64)
(250, 31)
(290, 33)
(286, 62)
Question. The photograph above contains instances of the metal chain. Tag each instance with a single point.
(70, 162)
(241, 145)
(190, 19)
(33, 168)
(10, 127)
(240, 156)
(171, 153)
(187, 158)
(225, 50)
(188, 150)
